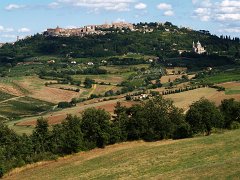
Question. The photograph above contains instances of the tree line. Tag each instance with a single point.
(153, 120)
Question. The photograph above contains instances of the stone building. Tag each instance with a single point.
(197, 48)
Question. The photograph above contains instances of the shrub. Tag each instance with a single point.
(64, 105)
(182, 131)
(235, 125)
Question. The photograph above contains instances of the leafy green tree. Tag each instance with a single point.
(88, 83)
(40, 136)
(182, 131)
(96, 127)
(67, 138)
(231, 111)
(203, 116)
(160, 115)
(137, 124)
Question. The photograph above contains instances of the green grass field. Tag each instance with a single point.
(23, 107)
(226, 76)
(213, 157)
(232, 91)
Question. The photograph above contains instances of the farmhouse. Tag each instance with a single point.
(51, 62)
(90, 63)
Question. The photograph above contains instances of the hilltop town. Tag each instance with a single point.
(88, 30)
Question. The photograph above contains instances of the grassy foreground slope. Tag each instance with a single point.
(216, 156)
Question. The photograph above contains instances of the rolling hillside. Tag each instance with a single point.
(216, 157)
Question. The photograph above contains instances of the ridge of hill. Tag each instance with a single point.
(163, 41)
(216, 157)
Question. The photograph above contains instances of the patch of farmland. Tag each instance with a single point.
(225, 76)
(231, 87)
(111, 106)
(23, 107)
(185, 99)
(171, 78)
(38, 90)
(58, 116)
(101, 89)
(10, 89)
(106, 78)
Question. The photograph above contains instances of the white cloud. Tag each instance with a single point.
(204, 14)
(164, 6)
(222, 11)
(24, 30)
(168, 13)
(54, 5)
(228, 17)
(120, 20)
(194, 1)
(116, 5)
(140, 6)
(167, 8)
(230, 3)
(11, 7)
(9, 36)
(3, 29)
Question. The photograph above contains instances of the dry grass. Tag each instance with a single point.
(182, 100)
(58, 116)
(10, 89)
(213, 157)
(115, 79)
(38, 90)
(171, 78)
(185, 99)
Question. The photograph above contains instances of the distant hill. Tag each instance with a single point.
(213, 157)
(162, 40)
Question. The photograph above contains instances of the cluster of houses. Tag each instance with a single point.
(87, 30)
(141, 97)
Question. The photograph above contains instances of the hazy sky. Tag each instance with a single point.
(27, 17)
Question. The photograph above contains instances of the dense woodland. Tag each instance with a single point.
(152, 120)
